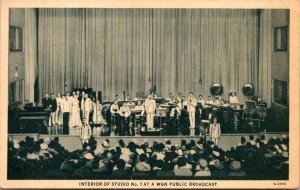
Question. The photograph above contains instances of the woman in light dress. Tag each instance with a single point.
(74, 113)
(215, 131)
(59, 114)
(97, 116)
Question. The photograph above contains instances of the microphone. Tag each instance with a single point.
(66, 84)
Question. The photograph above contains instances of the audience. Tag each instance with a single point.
(48, 159)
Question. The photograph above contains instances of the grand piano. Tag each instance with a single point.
(33, 119)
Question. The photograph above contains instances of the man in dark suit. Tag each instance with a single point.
(46, 101)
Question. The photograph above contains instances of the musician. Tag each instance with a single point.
(170, 98)
(106, 99)
(184, 102)
(114, 108)
(233, 99)
(217, 101)
(137, 97)
(215, 131)
(88, 107)
(53, 107)
(125, 113)
(224, 103)
(85, 132)
(127, 98)
(191, 108)
(209, 101)
(150, 107)
(117, 97)
(141, 108)
(46, 101)
(176, 111)
(130, 102)
(201, 101)
(97, 111)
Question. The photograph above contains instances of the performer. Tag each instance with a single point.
(125, 113)
(217, 101)
(88, 107)
(114, 108)
(59, 114)
(97, 112)
(209, 101)
(191, 108)
(75, 120)
(82, 100)
(106, 99)
(176, 111)
(215, 131)
(140, 107)
(202, 106)
(86, 131)
(233, 99)
(46, 101)
(53, 107)
(150, 106)
(66, 107)
(170, 98)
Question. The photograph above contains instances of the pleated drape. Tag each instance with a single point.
(115, 50)
(30, 37)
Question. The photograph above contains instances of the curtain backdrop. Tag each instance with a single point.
(30, 37)
(265, 56)
(112, 50)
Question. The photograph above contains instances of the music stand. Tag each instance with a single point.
(161, 112)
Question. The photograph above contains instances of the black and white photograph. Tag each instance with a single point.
(180, 97)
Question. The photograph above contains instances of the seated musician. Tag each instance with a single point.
(140, 107)
(170, 98)
(179, 97)
(224, 103)
(127, 98)
(209, 101)
(233, 99)
(184, 102)
(125, 113)
(217, 101)
(106, 99)
(201, 101)
(176, 111)
(114, 108)
(137, 97)
(117, 97)
(139, 115)
(202, 106)
(130, 102)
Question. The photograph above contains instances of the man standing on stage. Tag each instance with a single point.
(150, 106)
(46, 101)
(65, 108)
(88, 107)
(191, 108)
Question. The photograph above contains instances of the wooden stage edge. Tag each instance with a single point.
(73, 142)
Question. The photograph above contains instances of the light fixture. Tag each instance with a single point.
(17, 71)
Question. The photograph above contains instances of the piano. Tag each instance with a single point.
(33, 119)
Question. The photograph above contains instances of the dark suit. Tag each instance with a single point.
(46, 102)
